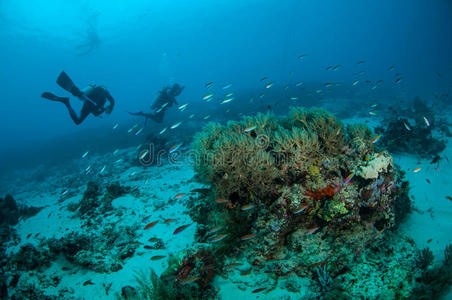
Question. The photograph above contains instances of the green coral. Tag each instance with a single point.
(313, 171)
(334, 208)
(152, 287)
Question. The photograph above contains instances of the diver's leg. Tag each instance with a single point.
(83, 114)
(158, 117)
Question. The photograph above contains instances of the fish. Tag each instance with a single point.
(201, 191)
(428, 180)
(221, 200)
(153, 239)
(191, 116)
(143, 155)
(449, 198)
(115, 152)
(372, 113)
(218, 238)
(175, 125)
(248, 129)
(209, 84)
(301, 56)
(374, 105)
(299, 83)
(300, 209)
(417, 170)
(247, 207)
(337, 67)
(64, 192)
(115, 126)
(188, 280)
(206, 117)
(312, 230)
(85, 154)
(180, 195)
(157, 257)
(28, 235)
(398, 80)
(163, 130)
(167, 221)
(248, 237)
(378, 234)
(391, 68)
(88, 282)
(133, 127)
(328, 84)
(103, 169)
(426, 122)
(235, 264)
(225, 87)
(227, 100)
(150, 225)
(181, 228)
(264, 78)
(139, 131)
(174, 148)
(215, 229)
(258, 290)
(329, 67)
(376, 139)
(360, 62)
(429, 241)
(293, 98)
(349, 177)
(355, 82)
(118, 161)
(269, 85)
(183, 106)
(406, 126)
(207, 96)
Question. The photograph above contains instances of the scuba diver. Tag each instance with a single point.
(93, 96)
(166, 99)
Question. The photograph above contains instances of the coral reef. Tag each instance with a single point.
(92, 205)
(435, 281)
(10, 211)
(281, 184)
(413, 130)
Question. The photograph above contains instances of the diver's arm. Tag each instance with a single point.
(110, 99)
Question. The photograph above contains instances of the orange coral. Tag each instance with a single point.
(327, 191)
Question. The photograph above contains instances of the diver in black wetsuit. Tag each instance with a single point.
(166, 99)
(94, 98)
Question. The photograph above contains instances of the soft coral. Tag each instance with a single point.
(318, 194)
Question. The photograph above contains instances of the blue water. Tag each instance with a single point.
(137, 47)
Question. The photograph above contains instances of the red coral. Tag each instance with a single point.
(327, 191)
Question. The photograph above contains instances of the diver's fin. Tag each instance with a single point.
(53, 97)
(66, 83)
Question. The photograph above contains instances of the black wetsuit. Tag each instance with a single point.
(98, 95)
(167, 95)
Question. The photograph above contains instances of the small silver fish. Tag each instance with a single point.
(176, 125)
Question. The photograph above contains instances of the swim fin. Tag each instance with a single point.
(66, 83)
(53, 97)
